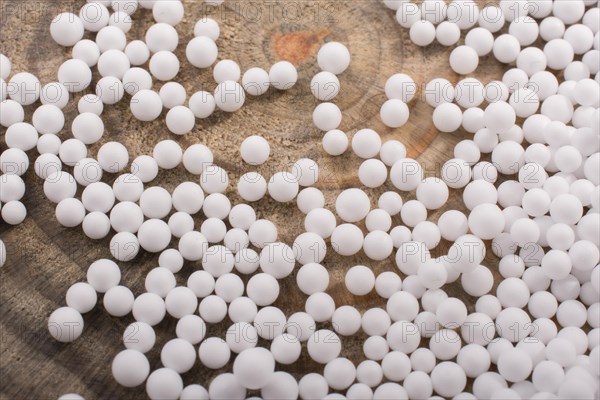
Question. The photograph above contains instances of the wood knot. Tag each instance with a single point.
(297, 47)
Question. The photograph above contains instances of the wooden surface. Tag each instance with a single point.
(44, 259)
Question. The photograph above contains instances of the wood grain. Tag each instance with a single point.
(44, 259)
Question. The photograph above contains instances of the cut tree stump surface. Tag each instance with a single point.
(44, 259)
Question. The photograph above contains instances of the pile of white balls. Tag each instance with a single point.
(529, 177)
